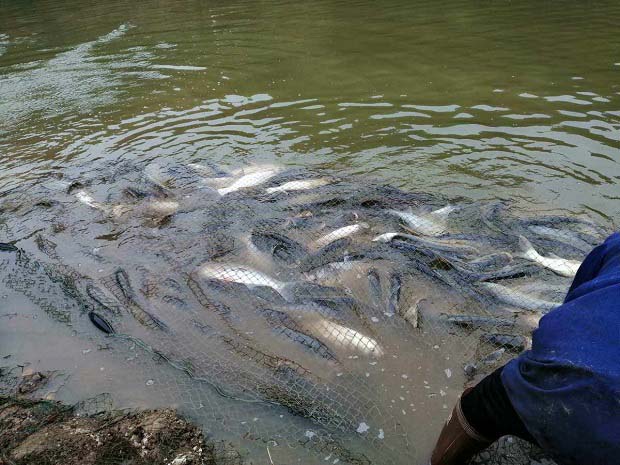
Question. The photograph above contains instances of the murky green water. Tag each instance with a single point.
(504, 100)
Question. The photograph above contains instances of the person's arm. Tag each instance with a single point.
(482, 415)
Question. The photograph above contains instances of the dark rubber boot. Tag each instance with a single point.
(458, 441)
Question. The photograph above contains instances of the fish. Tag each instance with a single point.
(339, 233)
(494, 260)
(475, 321)
(283, 248)
(333, 251)
(7, 247)
(550, 291)
(587, 226)
(512, 342)
(561, 266)
(329, 270)
(517, 270)
(346, 338)
(561, 235)
(471, 369)
(88, 199)
(289, 327)
(128, 297)
(412, 314)
(241, 274)
(303, 184)
(431, 224)
(493, 357)
(111, 210)
(394, 297)
(518, 299)
(441, 245)
(100, 323)
(250, 180)
(209, 170)
(374, 284)
(102, 300)
(161, 207)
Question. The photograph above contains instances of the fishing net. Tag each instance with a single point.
(305, 317)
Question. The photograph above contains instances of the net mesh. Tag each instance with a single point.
(301, 315)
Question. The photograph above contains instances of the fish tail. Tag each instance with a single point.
(527, 249)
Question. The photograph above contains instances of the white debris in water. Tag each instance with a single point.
(403, 376)
(150, 382)
(362, 428)
(381, 434)
(448, 372)
(367, 374)
(442, 393)
(310, 434)
(181, 460)
(374, 319)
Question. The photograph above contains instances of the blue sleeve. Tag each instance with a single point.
(566, 389)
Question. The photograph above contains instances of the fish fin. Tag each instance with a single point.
(443, 212)
(527, 249)
(386, 237)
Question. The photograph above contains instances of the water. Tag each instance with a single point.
(504, 100)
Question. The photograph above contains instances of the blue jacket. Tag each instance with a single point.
(566, 389)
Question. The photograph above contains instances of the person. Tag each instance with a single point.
(564, 393)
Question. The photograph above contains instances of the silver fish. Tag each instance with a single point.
(327, 271)
(300, 185)
(567, 237)
(242, 275)
(157, 208)
(446, 246)
(339, 233)
(253, 179)
(561, 266)
(518, 299)
(431, 224)
(346, 338)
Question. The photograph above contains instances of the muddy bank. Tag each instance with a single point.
(44, 432)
